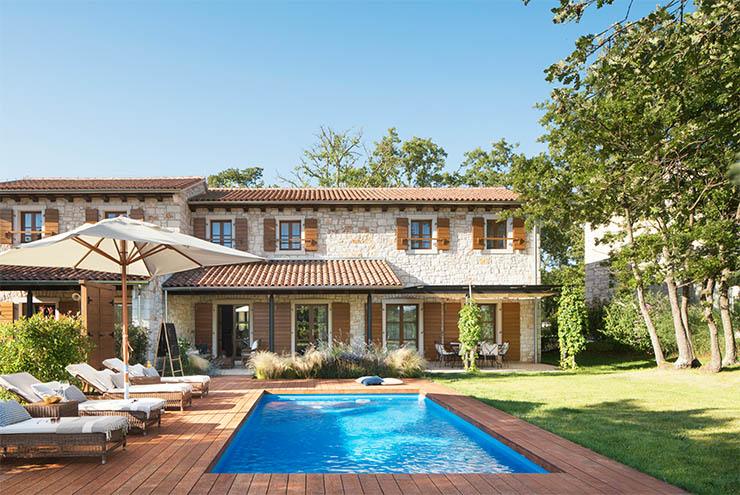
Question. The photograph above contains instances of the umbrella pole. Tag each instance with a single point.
(124, 311)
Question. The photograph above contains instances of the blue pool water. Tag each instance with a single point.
(373, 433)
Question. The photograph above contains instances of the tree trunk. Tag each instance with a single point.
(685, 299)
(724, 311)
(657, 349)
(715, 364)
(686, 358)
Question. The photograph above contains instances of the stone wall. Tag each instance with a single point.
(598, 282)
(372, 234)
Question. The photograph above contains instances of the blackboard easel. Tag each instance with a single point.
(168, 349)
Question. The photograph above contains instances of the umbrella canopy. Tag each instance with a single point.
(125, 246)
(150, 250)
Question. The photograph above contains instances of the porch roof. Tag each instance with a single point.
(16, 276)
(290, 274)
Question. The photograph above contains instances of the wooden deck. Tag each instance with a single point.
(176, 459)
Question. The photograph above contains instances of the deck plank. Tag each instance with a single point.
(176, 459)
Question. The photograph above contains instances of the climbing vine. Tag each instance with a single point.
(571, 325)
(470, 333)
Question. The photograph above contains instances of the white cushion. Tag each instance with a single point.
(151, 371)
(20, 384)
(47, 389)
(137, 370)
(155, 388)
(12, 412)
(187, 379)
(114, 363)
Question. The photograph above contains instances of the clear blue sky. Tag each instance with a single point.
(114, 88)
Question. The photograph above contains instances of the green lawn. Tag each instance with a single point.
(679, 426)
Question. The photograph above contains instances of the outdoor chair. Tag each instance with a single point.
(22, 435)
(489, 352)
(247, 354)
(110, 385)
(147, 376)
(140, 413)
(502, 354)
(444, 355)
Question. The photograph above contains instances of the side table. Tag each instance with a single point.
(58, 410)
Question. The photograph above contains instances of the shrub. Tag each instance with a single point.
(338, 361)
(138, 338)
(571, 325)
(623, 322)
(43, 346)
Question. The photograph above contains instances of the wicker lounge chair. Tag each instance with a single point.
(141, 413)
(175, 395)
(24, 436)
(140, 374)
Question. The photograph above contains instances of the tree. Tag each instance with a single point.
(237, 177)
(417, 162)
(332, 161)
(571, 325)
(486, 168)
(468, 321)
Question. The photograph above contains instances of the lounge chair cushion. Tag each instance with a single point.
(186, 379)
(155, 388)
(73, 393)
(68, 425)
(20, 384)
(145, 405)
(101, 381)
(12, 412)
(137, 370)
(116, 378)
(150, 371)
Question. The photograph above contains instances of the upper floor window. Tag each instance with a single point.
(31, 225)
(221, 232)
(114, 214)
(290, 235)
(495, 234)
(488, 322)
(420, 236)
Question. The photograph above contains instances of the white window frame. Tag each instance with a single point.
(499, 316)
(222, 218)
(433, 249)
(509, 232)
(293, 218)
(300, 302)
(18, 210)
(420, 326)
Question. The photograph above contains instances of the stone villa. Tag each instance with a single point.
(388, 266)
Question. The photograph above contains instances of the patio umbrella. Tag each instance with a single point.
(125, 246)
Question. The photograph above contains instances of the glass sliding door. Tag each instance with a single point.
(488, 322)
(243, 336)
(402, 325)
(311, 325)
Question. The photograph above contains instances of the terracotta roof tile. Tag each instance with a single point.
(108, 184)
(10, 273)
(291, 274)
(441, 194)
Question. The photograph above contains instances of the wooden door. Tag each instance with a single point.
(432, 328)
(97, 314)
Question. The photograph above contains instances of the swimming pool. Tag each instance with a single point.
(370, 433)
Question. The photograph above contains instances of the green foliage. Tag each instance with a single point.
(338, 361)
(624, 324)
(468, 322)
(572, 320)
(43, 346)
(237, 177)
(138, 338)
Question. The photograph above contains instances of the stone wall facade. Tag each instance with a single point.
(372, 234)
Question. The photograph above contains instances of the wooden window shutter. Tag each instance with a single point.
(6, 312)
(402, 233)
(519, 234)
(51, 222)
(479, 233)
(203, 324)
(312, 234)
(6, 226)
(377, 324)
(137, 213)
(443, 234)
(269, 237)
(241, 233)
(91, 215)
(340, 322)
(199, 228)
